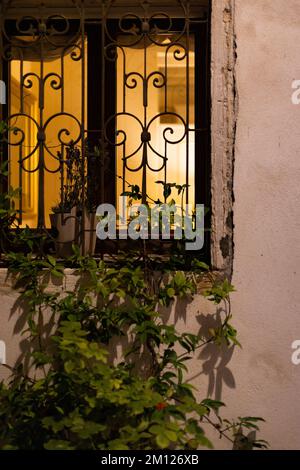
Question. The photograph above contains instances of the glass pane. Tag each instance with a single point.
(57, 107)
(155, 90)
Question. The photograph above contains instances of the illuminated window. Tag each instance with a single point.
(113, 93)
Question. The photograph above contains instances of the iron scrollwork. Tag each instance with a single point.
(45, 37)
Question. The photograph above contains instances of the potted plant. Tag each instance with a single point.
(65, 216)
(65, 223)
(89, 222)
(89, 229)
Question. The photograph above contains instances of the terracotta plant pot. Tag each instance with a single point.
(68, 227)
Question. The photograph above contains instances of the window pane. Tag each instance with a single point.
(60, 104)
(155, 89)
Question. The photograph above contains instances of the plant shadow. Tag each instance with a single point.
(214, 358)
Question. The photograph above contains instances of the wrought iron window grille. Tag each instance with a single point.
(86, 154)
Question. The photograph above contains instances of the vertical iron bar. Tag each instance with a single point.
(187, 101)
(20, 185)
(145, 104)
(83, 169)
(103, 102)
(20, 148)
(62, 149)
(41, 139)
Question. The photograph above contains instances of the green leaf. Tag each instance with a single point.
(55, 444)
(51, 260)
(200, 265)
(69, 366)
(162, 441)
(117, 445)
(171, 435)
(171, 292)
(179, 279)
(57, 273)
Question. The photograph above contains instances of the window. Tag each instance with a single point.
(103, 95)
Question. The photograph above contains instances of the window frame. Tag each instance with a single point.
(202, 94)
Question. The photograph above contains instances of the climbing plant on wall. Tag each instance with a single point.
(73, 391)
(102, 368)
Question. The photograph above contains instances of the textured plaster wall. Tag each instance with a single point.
(256, 144)
(267, 218)
(256, 126)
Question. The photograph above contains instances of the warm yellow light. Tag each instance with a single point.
(72, 103)
(172, 99)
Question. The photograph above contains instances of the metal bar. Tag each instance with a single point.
(41, 139)
(83, 146)
(116, 30)
(187, 105)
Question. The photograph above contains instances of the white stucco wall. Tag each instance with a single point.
(260, 379)
(267, 218)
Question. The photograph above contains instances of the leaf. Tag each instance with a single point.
(171, 435)
(54, 444)
(253, 419)
(51, 260)
(9, 447)
(171, 292)
(162, 441)
(213, 404)
(167, 191)
(57, 273)
(117, 445)
(69, 366)
(200, 265)
(179, 279)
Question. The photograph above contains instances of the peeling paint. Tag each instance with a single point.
(224, 125)
(225, 246)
